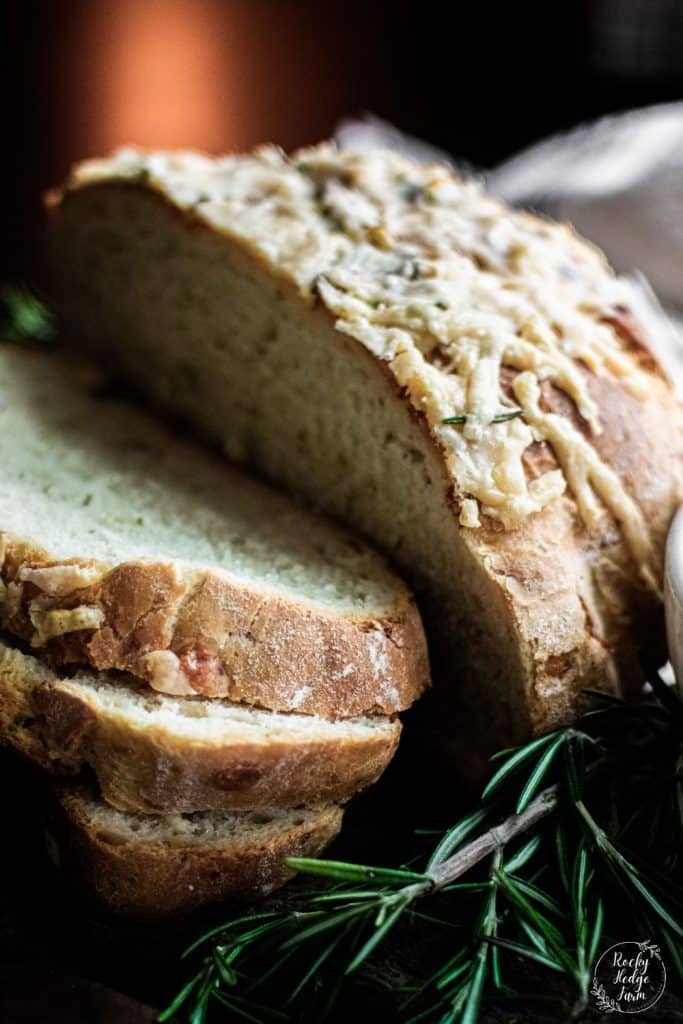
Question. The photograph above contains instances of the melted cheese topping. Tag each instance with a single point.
(52, 622)
(446, 286)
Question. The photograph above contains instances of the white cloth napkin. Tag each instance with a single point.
(618, 180)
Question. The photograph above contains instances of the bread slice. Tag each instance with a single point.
(150, 867)
(124, 547)
(325, 316)
(153, 753)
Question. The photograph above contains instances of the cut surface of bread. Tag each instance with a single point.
(126, 547)
(465, 384)
(150, 867)
(154, 753)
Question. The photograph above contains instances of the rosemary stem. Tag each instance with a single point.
(495, 838)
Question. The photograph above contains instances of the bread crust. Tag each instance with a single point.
(150, 769)
(188, 631)
(152, 881)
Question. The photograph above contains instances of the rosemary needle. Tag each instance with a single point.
(501, 417)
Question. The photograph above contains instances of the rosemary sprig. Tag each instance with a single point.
(537, 870)
(24, 319)
(500, 417)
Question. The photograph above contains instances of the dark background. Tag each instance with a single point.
(481, 79)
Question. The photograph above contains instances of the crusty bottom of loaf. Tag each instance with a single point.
(152, 867)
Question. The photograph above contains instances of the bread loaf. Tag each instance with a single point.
(465, 384)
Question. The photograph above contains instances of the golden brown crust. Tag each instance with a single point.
(150, 769)
(148, 881)
(201, 631)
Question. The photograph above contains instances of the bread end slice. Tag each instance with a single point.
(157, 754)
(149, 868)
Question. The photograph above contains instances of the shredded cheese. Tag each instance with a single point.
(61, 580)
(446, 286)
(49, 623)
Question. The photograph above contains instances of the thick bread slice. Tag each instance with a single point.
(150, 867)
(125, 547)
(322, 316)
(153, 753)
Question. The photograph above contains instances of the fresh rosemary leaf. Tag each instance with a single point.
(539, 773)
(525, 951)
(574, 767)
(562, 854)
(314, 968)
(553, 936)
(513, 762)
(454, 970)
(353, 872)
(198, 1012)
(25, 317)
(180, 999)
(470, 1011)
(597, 931)
(535, 938)
(456, 835)
(325, 924)
(626, 873)
(466, 887)
(495, 968)
(534, 893)
(224, 970)
(442, 922)
(377, 936)
(353, 895)
(247, 1010)
(523, 855)
(228, 926)
(502, 417)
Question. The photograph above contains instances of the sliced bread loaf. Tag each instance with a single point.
(467, 385)
(150, 867)
(153, 753)
(124, 547)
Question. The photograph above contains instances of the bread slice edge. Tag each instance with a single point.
(158, 873)
(148, 759)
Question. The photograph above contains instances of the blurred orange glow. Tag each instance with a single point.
(218, 75)
(158, 73)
